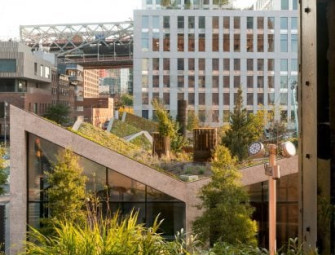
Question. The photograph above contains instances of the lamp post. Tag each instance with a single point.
(5, 117)
(273, 171)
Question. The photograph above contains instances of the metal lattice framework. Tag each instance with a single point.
(95, 40)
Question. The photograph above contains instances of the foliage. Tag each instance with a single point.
(223, 248)
(141, 123)
(166, 126)
(122, 129)
(126, 100)
(3, 173)
(192, 121)
(109, 236)
(243, 130)
(66, 193)
(142, 142)
(226, 206)
(277, 131)
(58, 113)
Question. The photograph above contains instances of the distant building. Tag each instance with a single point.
(25, 79)
(201, 52)
(91, 83)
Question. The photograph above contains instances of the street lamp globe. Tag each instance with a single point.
(256, 149)
(288, 149)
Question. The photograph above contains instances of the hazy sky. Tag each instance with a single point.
(14, 13)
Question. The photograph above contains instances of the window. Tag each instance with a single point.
(180, 21)
(202, 64)
(271, 64)
(215, 42)
(202, 23)
(201, 81)
(145, 98)
(283, 43)
(145, 65)
(294, 43)
(180, 96)
(237, 81)
(271, 22)
(294, 23)
(271, 82)
(166, 64)
(250, 22)
(145, 41)
(191, 98)
(260, 64)
(202, 42)
(260, 82)
(145, 22)
(191, 20)
(250, 98)
(260, 43)
(237, 64)
(166, 81)
(145, 114)
(283, 99)
(237, 23)
(295, 4)
(226, 115)
(226, 42)
(155, 22)
(149, 1)
(284, 5)
(145, 81)
(237, 42)
(35, 67)
(215, 22)
(226, 22)
(215, 98)
(180, 81)
(166, 22)
(9, 65)
(191, 64)
(191, 81)
(250, 82)
(283, 65)
(215, 116)
(155, 64)
(283, 116)
(226, 98)
(226, 64)
(155, 41)
(260, 22)
(215, 64)
(260, 99)
(166, 42)
(284, 23)
(271, 42)
(202, 99)
(283, 82)
(166, 98)
(226, 81)
(180, 42)
(155, 81)
(191, 42)
(41, 70)
(271, 98)
(250, 43)
(294, 65)
(215, 81)
(180, 64)
(250, 64)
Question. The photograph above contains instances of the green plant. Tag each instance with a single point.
(66, 192)
(227, 213)
(192, 121)
(3, 173)
(58, 113)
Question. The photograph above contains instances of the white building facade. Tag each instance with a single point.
(204, 56)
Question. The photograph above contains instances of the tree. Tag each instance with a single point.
(166, 125)
(66, 193)
(3, 174)
(192, 121)
(58, 113)
(227, 212)
(126, 100)
(244, 129)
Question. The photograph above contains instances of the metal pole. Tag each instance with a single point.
(272, 202)
(5, 117)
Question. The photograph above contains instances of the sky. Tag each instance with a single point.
(14, 13)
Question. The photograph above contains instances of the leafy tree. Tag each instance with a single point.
(3, 174)
(227, 212)
(58, 113)
(126, 100)
(66, 193)
(166, 125)
(244, 129)
(192, 121)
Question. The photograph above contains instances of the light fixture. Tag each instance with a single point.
(288, 149)
(256, 149)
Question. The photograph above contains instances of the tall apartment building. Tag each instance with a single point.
(91, 83)
(201, 54)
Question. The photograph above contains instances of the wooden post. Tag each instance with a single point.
(272, 202)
